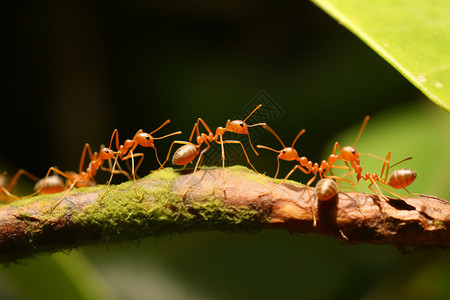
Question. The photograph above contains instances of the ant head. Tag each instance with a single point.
(349, 153)
(145, 140)
(238, 127)
(106, 153)
(288, 154)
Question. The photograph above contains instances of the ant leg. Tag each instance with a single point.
(140, 162)
(170, 150)
(394, 193)
(385, 166)
(196, 129)
(199, 160)
(374, 156)
(333, 154)
(413, 194)
(133, 171)
(380, 195)
(204, 124)
(86, 148)
(14, 180)
(51, 169)
(245, 152)
(251, 145)
(352, 184)
(286, 178)
(110, 178)
(132, 155)
(65, 194)
(119, 171)
(116, 135)
(223, 164)
(278, 167)
(313, 212)
(8, 194)
(157, 158)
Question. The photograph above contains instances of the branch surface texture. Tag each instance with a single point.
(30, 226)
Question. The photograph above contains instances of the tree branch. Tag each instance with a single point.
(29, 226)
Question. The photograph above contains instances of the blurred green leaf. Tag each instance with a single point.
(413, 36)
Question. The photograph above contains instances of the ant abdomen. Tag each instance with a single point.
(326, 189)
(50, 185)
(401, 178)
(184, 155)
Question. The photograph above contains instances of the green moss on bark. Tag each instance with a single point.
(121, 214)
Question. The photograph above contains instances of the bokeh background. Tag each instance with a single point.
(76, 70)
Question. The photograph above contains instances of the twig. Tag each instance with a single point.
(29, 227)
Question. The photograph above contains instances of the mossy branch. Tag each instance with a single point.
(29, 226)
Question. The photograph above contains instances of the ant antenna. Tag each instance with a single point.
(408, 158)
(170, 134)
(162, 125)
(258, 107)
(298, 135)
(269, 129)
(268, 148)
(366, 119)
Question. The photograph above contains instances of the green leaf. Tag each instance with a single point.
(413, 36)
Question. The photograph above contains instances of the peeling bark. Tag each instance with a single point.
(242, 202)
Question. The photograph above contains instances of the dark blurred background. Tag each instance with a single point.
(76, 70)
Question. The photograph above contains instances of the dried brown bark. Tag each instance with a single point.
(240, 203)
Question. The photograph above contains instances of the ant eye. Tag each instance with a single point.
(353, 152)
(147, 137)
(106, 151)
(242, 124)
(284, 151)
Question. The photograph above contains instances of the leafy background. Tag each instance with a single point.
(76, 70)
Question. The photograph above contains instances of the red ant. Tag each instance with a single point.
(305, 165)
(54, 183)
(126, 151)
(349, 154)
(399, 179)
(82, 178)
(187, 153)
(290, 154)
